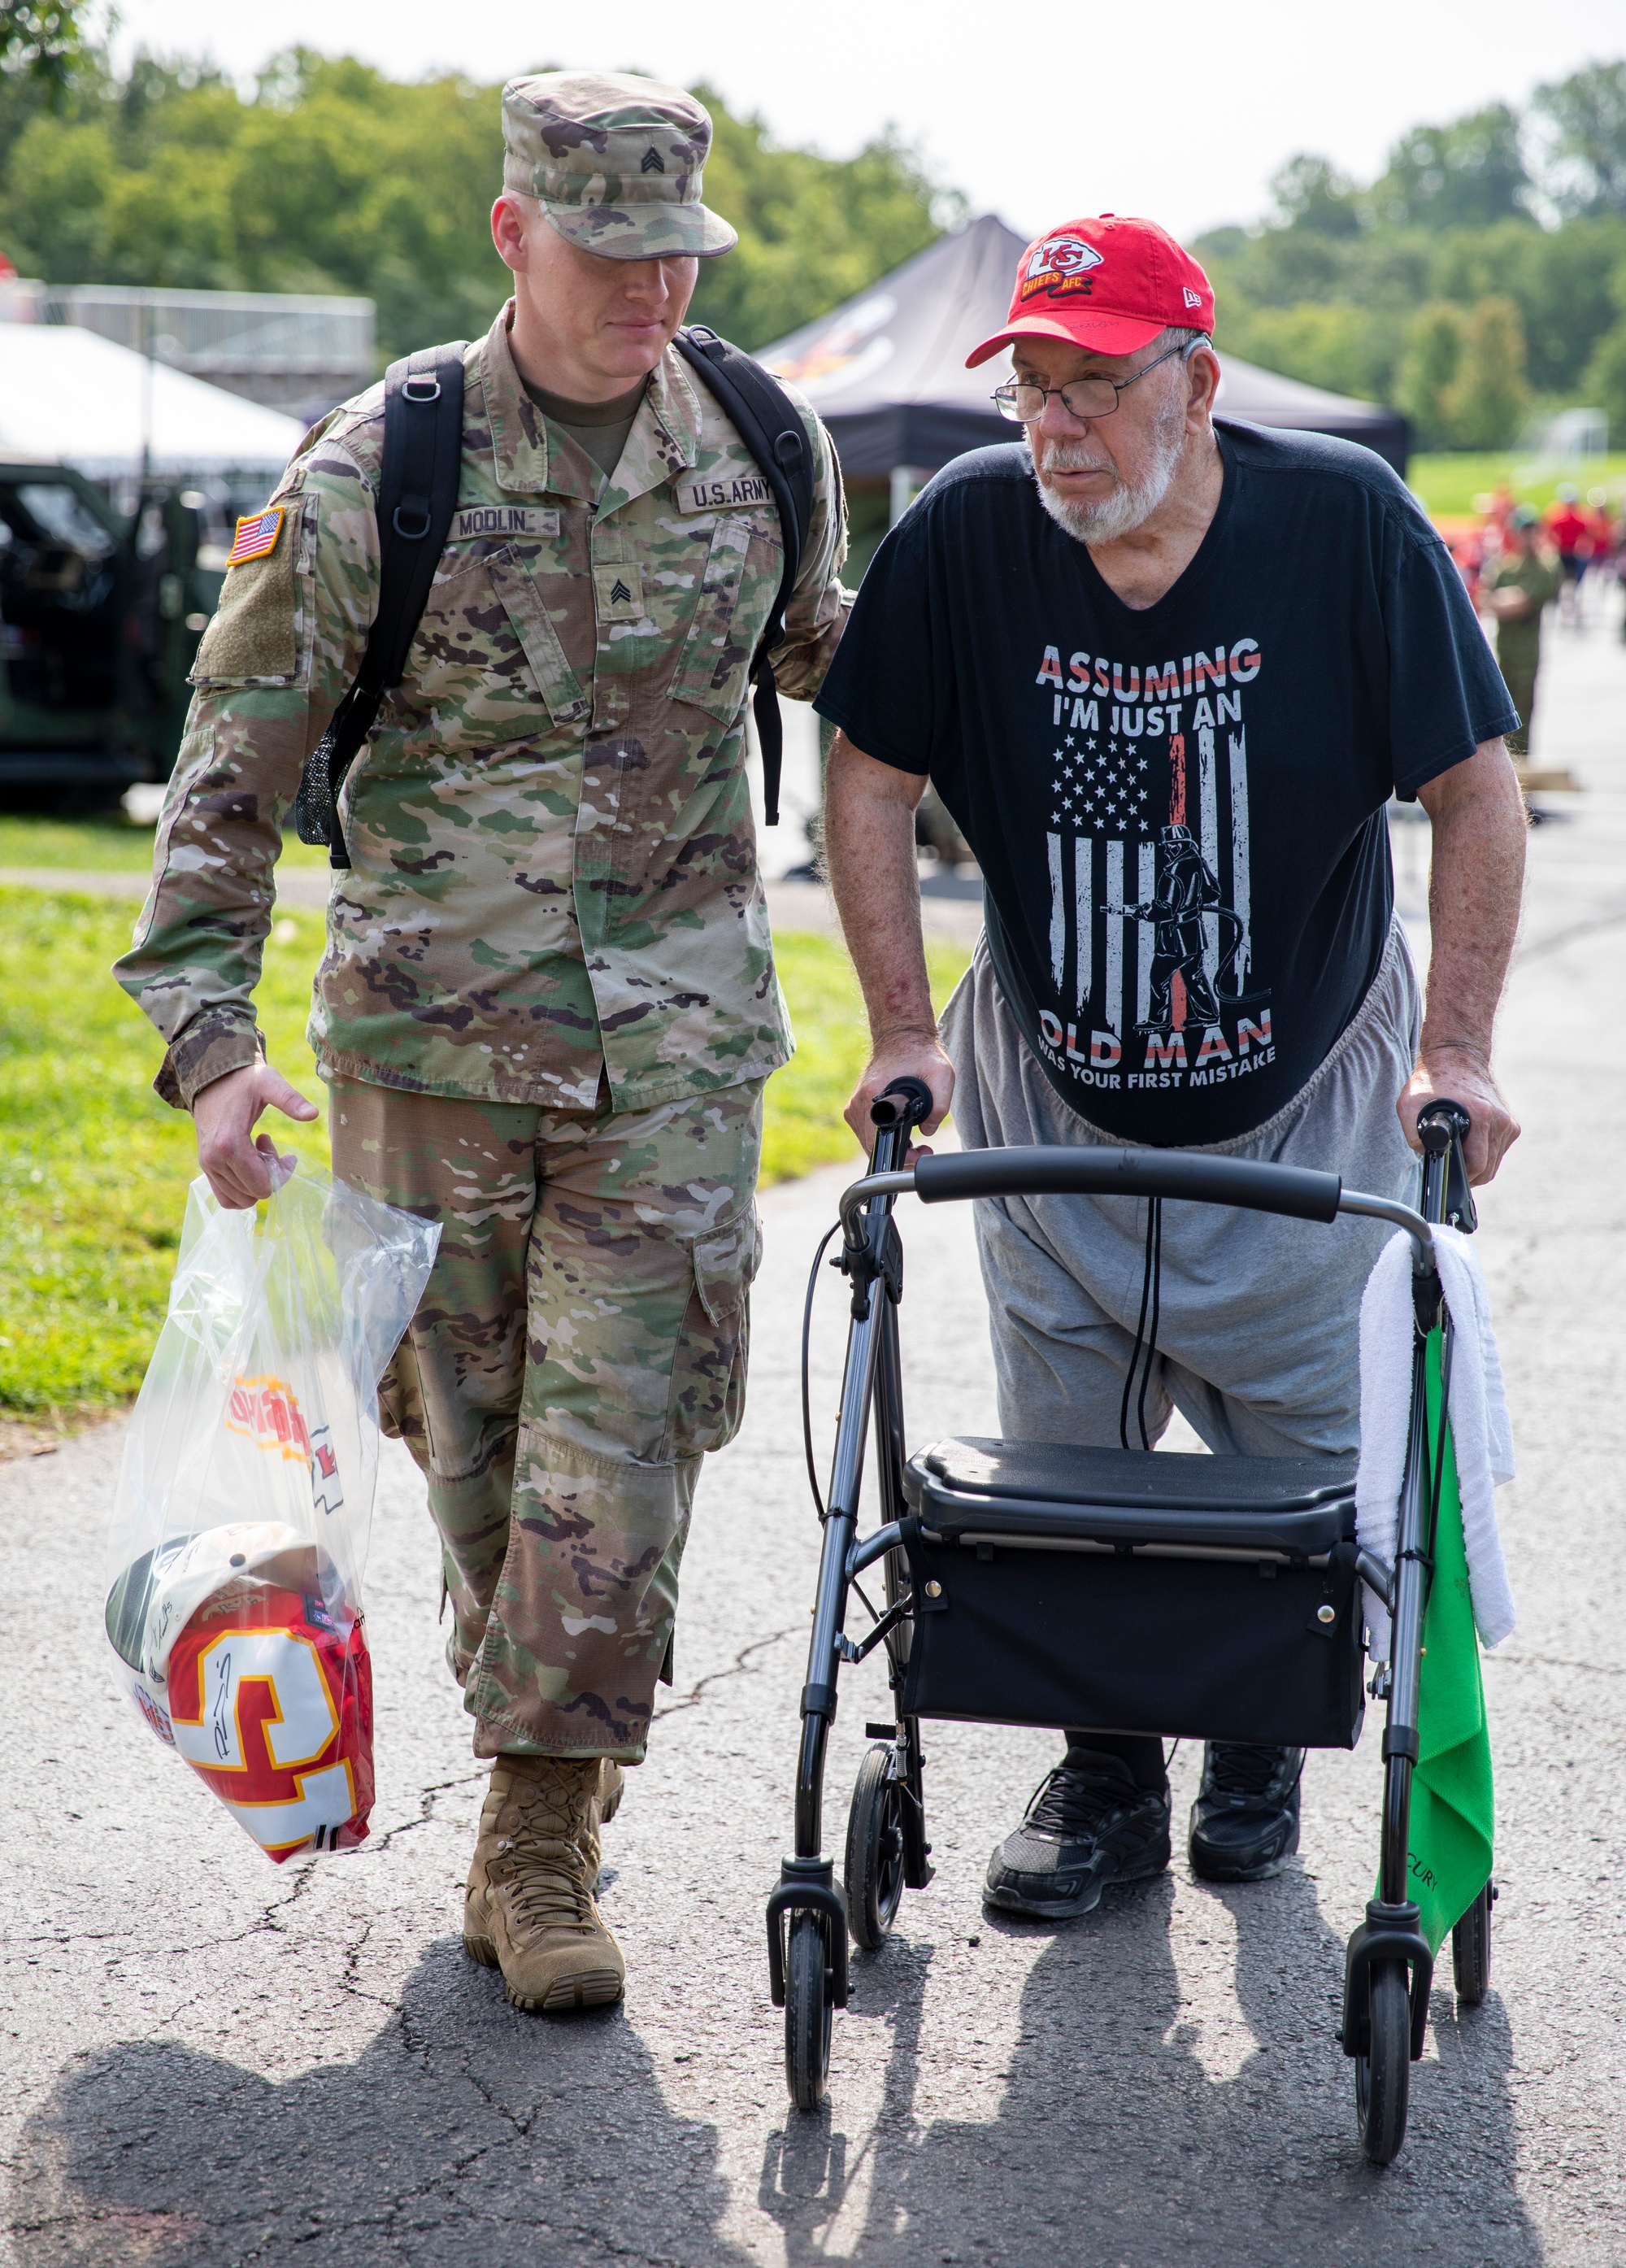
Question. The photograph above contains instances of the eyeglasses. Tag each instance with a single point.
(1023, 403)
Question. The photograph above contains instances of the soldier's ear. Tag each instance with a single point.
(508, 225)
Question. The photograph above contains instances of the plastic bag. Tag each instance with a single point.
(239, 1532)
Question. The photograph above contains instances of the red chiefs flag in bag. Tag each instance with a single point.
(271, 1704)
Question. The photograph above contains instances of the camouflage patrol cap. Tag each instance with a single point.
(615, 162)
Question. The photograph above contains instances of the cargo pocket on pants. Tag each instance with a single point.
(708, 1368)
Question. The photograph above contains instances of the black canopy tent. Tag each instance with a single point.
(886, 370)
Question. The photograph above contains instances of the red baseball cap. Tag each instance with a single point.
(1107, 283)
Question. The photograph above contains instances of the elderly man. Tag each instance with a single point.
(1165, 672)
(548, 1006)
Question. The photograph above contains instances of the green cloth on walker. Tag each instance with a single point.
(1452, 1801)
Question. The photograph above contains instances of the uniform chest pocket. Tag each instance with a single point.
(487, 660)
(556, 680)
(737, 591)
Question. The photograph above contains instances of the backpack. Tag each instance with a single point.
(418, 483)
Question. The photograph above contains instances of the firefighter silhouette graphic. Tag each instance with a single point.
(1186, 890)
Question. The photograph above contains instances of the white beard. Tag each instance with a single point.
(1129, 503)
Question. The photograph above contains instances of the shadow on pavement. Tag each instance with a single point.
(1139, 2124)
(465, 2132)
(1130, 2136)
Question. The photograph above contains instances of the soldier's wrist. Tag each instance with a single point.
(208, 1049)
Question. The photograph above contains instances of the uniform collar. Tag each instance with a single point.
(664, 439)
(518, 430)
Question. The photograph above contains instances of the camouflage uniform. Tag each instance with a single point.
(582, 1344)
(552, 949)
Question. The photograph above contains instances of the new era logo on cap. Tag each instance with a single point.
(1105, 283)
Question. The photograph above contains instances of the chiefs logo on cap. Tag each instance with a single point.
(1107, 283)
(1060, 265)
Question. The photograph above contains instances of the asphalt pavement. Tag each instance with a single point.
(210, 2060)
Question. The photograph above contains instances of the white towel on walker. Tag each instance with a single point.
(1480, 1432)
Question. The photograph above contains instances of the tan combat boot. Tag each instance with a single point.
(529, 1910)
(601, 1808)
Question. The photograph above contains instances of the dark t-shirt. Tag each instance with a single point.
(1177, 810)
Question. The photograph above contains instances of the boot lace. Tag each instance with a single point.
(549, 1895)
(1234, 1769)
(549, 1879)
(1073, 1805)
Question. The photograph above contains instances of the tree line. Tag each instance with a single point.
(328, 176)
(1481, 277)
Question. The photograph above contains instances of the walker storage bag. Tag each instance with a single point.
(1213, 1598)
(245, 1498)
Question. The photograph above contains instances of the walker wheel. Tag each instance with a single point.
(807, 2009)
(1383, 2075)
(1470, 1951)
(873, 1874)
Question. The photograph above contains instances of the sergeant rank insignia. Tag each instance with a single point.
(257, 537)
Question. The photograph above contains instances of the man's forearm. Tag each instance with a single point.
(869, 837)
(1476, 886)
(870, 849)
(1475, 882)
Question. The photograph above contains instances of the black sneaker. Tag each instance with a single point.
(1088, 1825)
(1245, 1822)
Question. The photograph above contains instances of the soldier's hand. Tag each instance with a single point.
(237, 1163)
(902, 1055)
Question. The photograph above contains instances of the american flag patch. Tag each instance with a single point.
(256, 536)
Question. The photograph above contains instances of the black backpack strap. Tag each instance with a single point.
(769, 425)
(417, 495)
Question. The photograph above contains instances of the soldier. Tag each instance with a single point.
(548, 1006)
(1525, 580)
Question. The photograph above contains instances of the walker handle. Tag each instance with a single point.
(1047, 1170)
(907, 1101)
(1443, 1127)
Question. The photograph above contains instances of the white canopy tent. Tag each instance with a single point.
(68, 396)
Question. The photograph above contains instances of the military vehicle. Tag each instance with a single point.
(100, 614)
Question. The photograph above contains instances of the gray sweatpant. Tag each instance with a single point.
(1257, 1337)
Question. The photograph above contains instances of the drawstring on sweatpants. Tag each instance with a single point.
(1150, 1296)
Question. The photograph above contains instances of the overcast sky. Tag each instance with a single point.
(1177, 109)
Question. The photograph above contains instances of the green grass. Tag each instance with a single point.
(1448, 483)
(94, 1168)
(109, 843)
(805, 1100)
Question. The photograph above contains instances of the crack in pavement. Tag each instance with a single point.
(427, 1798)
(741, 1660)
(349, 1973)
(269, 1923)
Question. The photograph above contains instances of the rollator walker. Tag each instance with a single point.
(1190, 1596)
